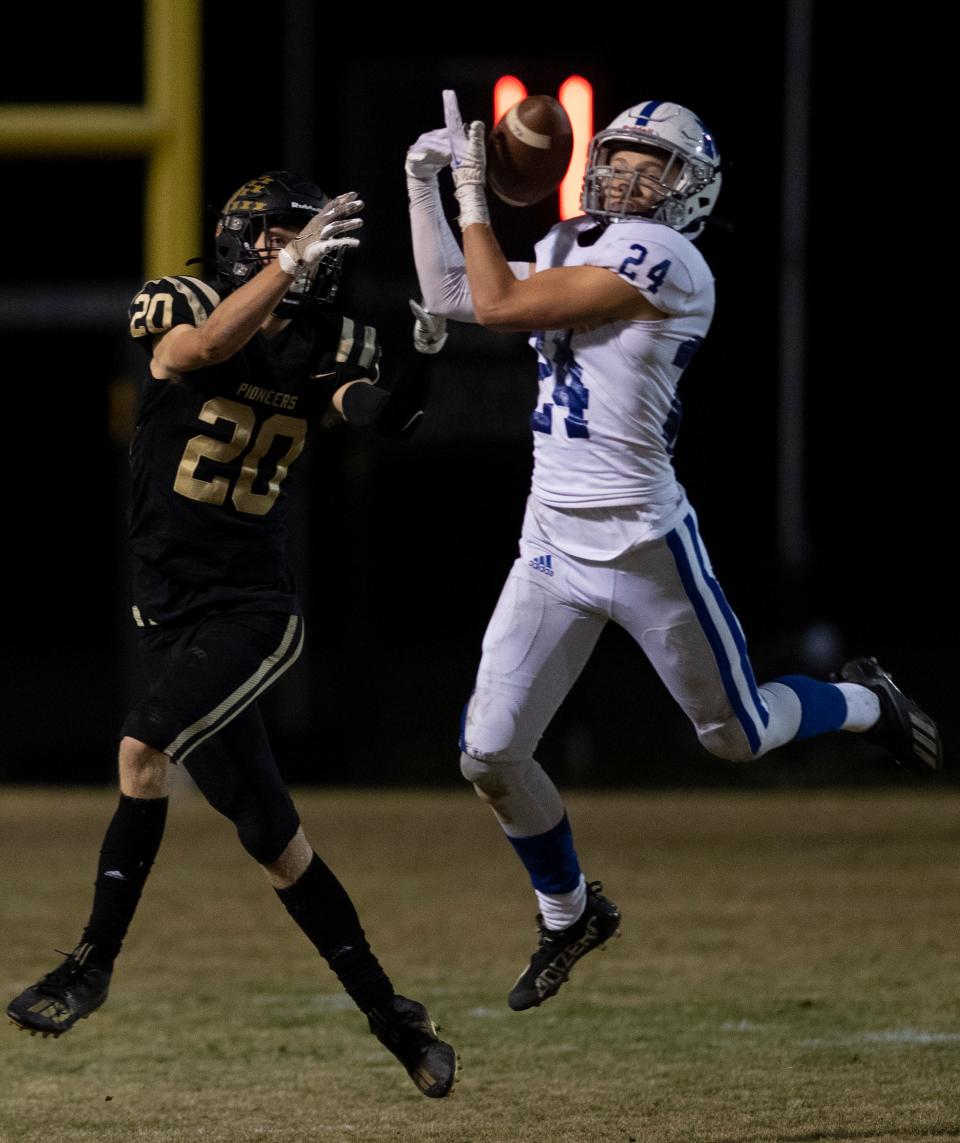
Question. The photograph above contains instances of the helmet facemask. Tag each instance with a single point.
(619, 190)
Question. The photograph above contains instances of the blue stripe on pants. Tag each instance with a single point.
(715, 636)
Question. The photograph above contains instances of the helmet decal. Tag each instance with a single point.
(644, 114)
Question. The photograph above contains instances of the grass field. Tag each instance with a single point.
(788, 971)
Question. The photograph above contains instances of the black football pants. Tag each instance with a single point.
(201, 710)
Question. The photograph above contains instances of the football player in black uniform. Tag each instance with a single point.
(241, 373)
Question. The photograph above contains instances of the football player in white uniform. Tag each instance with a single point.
(619, 299)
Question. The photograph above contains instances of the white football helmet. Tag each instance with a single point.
(690, 183)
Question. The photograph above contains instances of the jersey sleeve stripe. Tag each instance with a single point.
(202, 289)
(368, 354)
(198, 295)
(345, 347)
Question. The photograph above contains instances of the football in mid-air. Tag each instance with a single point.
(529, 151)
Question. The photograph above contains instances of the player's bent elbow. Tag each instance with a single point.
(485, 319)
(499, 319)
(449, 297)
(212, 352)
(437, 302)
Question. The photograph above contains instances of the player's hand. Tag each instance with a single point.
(429, 155)
(472, 168)
(469, 179)
(468, 163)
(429, 330)
(456, 132)
(324, 232)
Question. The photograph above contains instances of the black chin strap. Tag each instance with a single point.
(591, 236)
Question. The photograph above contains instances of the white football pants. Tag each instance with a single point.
(545, 625)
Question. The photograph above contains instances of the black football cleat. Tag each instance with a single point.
(70, 993)
(904, 730)
(559, 950)
(404, 1028)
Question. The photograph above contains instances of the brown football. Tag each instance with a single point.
(529, 151)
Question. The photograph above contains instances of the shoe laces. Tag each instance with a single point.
(400, 1023)
(561, 936)
(55, 982)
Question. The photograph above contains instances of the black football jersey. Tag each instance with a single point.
(213, 454)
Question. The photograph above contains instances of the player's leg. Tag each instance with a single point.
(539, 638)
(535, 646)
(238, 775)
(669, 599)
(79, 985)
(199, 678)
(129, 849)
(204, 710)
(318, 902)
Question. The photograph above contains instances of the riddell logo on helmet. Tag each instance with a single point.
(305, 206)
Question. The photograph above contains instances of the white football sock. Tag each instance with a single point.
(863, 707)
(560, 910)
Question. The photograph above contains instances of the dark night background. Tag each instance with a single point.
(401, 548)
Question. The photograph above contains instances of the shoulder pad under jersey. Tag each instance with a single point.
(663, 265)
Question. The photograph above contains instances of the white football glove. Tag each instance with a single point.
(429, 155)
(322, 234)
(469, 179)
(429, 330)
(455, 128)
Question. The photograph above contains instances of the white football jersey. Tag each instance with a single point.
(608, 411)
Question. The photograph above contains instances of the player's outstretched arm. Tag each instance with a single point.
(559, 298)
(438, 258)
(185, 348)
(440, 266)
(231, 325)
(567, 297)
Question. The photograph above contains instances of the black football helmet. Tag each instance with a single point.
(277, 198)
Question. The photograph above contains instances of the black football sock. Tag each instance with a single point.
(129, 848)
(322, 908)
